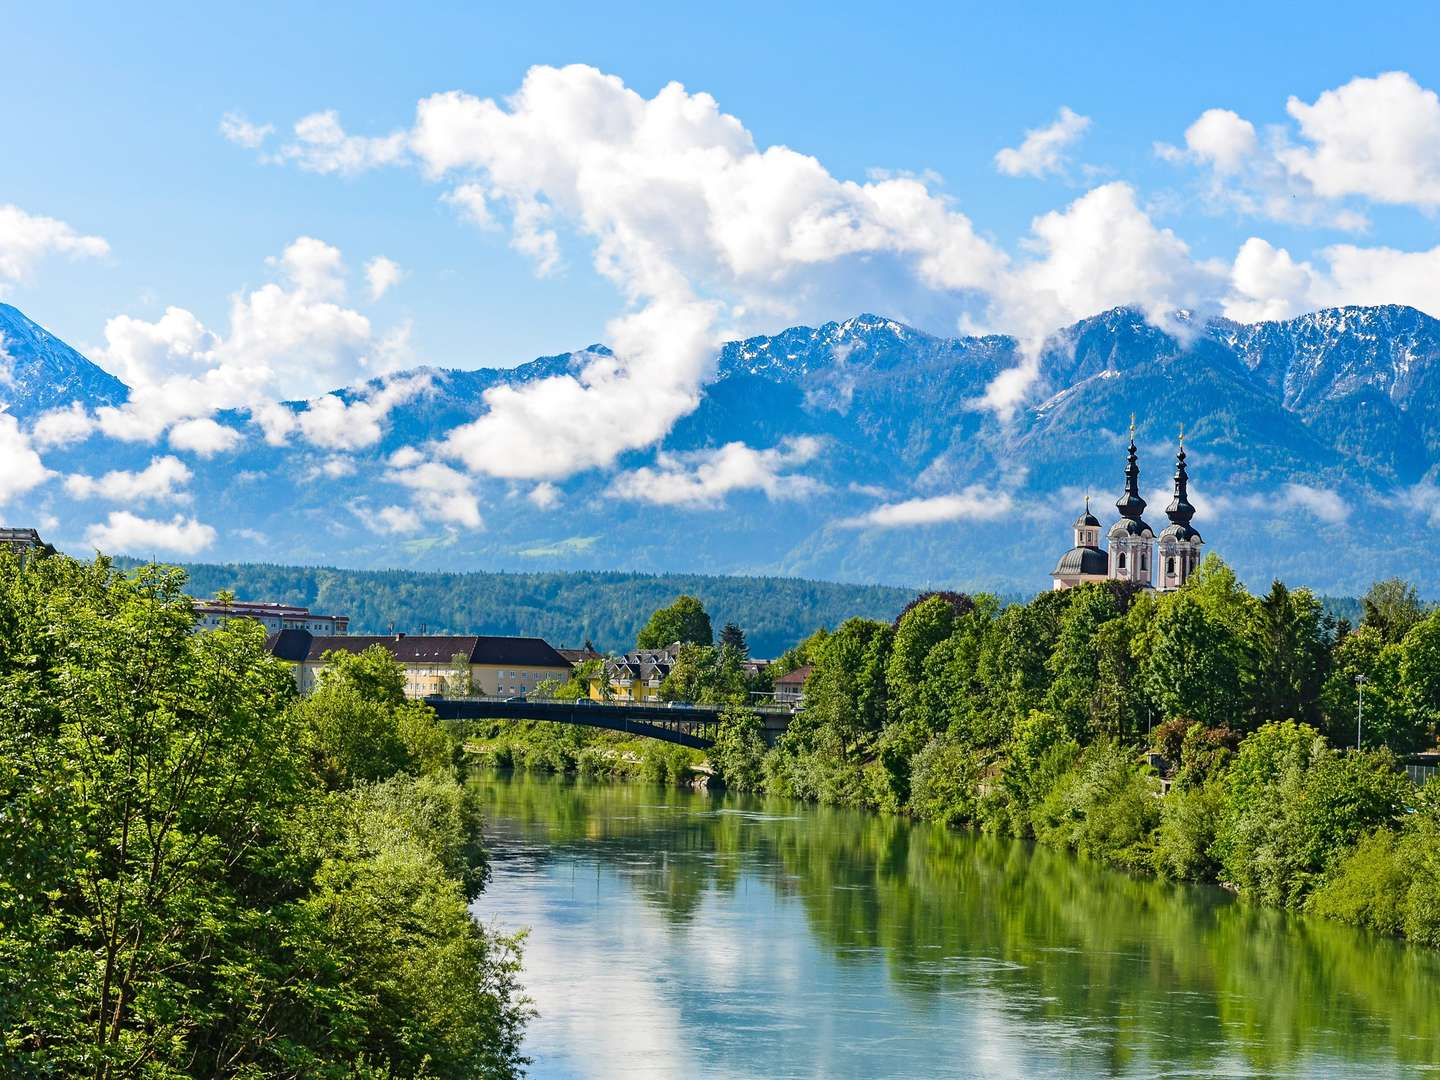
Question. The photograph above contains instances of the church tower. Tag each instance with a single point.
(1085, 561)
(1179, 542)
(1132, 542)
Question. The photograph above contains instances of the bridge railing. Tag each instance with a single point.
(678, 706)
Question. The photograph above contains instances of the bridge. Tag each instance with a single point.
(675, 722)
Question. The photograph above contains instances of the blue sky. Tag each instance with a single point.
(113, 128)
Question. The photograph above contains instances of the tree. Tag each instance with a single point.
(1293, 648)
(1392, 607)
(739, 751)
(684, 621)
(845, 694)
(1075, 662)
(733, 638)
(1193, 670)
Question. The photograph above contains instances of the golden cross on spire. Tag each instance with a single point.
(1132, 427)
(1182, 435)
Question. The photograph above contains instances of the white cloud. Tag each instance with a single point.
(545, 495)
(61, 427)
(335, 424)
(690, 220)
(290, 338)
(23, 469)
(162, 480)
(204, 437)
(439, 493)
(126, 533)
(1101, 251)
(1043, 150)
(26, 239)
(978, 502)
(236, 128)
(321, 145)
(1377, 138)
(396, 519)
(381, 274)
(703, 478)
(1223, 139)
(337, 466)
(1268, 283)
(1322, 503)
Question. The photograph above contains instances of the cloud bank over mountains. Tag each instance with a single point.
(708, 235)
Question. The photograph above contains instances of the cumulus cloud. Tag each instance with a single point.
(1373, 139)
(26, 239)
(1101, 251)
(1322, 503)
(204, 437)
(321, 145)
(126, 533)
(703, 478)
(381, 274)
(396, 519)
(545, 495)
(334, 423)
(62, 427)
(978, 502)
(1043, 150)
(698, 228)
(23, 469)
(163, 480)
(1378, 138)
(238, 129)
(292, 337)
(1266, 282)
(438, 492)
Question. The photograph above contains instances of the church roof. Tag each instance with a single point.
(1127, 526)
(1130, 504)
(1087, 518)
(1082, 560)
(1180, 530)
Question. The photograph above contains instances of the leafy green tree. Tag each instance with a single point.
(845, 696)
(684, 621)
(1074, 665)
(705, 675)
(739, 751)
(1392, 607)
(1420, 677)
(1388, 718)
(1193, 671)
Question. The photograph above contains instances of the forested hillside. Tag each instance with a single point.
(564, 608)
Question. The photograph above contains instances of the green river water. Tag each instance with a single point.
(690, 935)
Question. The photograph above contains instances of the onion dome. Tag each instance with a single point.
(1087, 519)
(1180, 510)
(1082, 560)
(1130, 504)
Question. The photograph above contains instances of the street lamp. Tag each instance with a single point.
(1359, 708)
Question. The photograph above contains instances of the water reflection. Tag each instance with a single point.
(682, 934)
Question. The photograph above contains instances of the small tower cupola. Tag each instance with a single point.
(1132, 541)
(1085, 561)
(1179, 542)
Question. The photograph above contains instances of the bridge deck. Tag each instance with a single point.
(687, 725)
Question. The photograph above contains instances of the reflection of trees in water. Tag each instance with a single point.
(1175, 975)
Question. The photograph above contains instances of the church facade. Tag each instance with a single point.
(1134, 552)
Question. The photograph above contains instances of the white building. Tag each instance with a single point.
(274, 617)
(1132, 543)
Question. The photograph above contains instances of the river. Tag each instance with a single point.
(680, 934)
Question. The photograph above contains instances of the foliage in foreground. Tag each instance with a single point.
(202, 876)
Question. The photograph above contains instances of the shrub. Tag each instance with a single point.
(1106, 807)
(739, 751)
(1184, 845)
(944, 778)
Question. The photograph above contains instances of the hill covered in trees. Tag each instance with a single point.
(609, 609)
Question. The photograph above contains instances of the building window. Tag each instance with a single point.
(1121, 564)
(1170, 566)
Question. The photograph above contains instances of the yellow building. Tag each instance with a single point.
(434, 664)
(636, 676)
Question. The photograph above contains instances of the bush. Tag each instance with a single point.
(1184, 846)
(944, 779)
(739, 751)
(1368, 887)
(1106, 807)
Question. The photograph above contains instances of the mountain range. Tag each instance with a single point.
(1313, 447)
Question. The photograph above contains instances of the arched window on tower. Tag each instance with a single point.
(1144, 560)
(1170, 565)
(1121, 564)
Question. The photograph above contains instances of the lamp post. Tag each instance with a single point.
(1359, 708)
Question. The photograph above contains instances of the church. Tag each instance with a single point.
(1132, 543)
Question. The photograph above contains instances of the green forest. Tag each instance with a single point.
(202, 874)
(565, 609)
